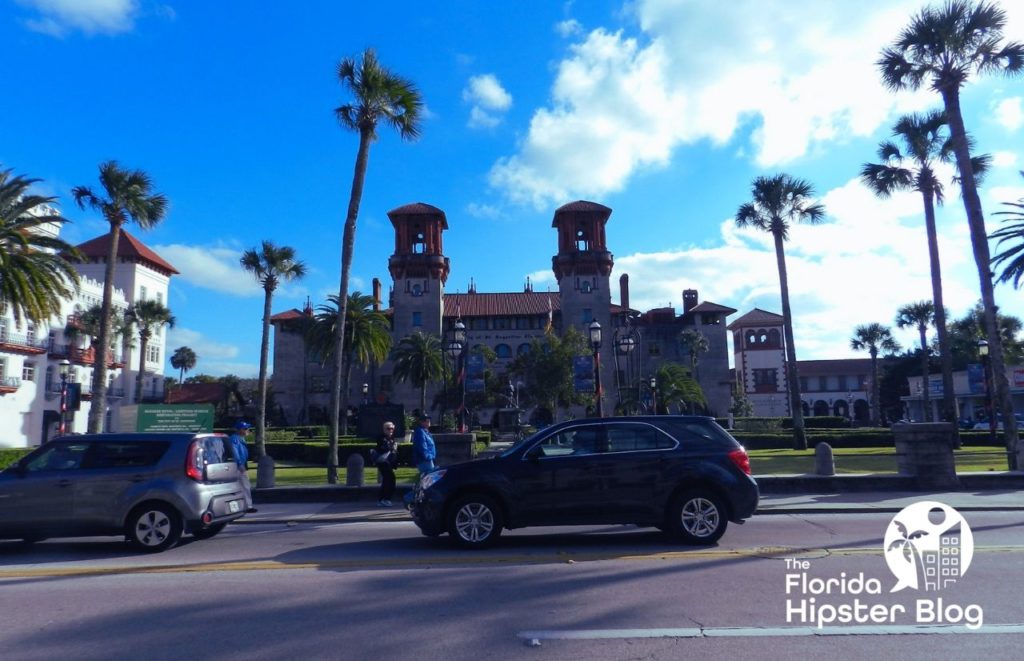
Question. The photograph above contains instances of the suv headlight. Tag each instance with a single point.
(430, 479)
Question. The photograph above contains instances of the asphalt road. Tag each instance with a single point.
(366, 590)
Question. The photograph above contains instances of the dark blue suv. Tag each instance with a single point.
(683, 474)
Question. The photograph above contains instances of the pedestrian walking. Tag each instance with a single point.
(424, 451)
(242, 459)
(385, 457)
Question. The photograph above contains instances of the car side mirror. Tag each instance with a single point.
(535, 453)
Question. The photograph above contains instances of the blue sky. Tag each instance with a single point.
(663, 110)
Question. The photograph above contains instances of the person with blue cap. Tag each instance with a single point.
(242, 459)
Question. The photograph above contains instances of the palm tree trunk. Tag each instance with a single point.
(792, 375)
(945, 354)
(348, 241)
(982, 258)
(98, 406)
(873, 405)
(261, 395)
(143, 344)
(423, 398)
(926, 399)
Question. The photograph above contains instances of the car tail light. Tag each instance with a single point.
(194, 461)
(740, 458)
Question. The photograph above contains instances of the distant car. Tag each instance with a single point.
(984, 424)
(151, 488)
(683, 474)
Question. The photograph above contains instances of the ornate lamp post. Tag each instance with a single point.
(460, 340)
(65, 370)
(366, 389)
(595, 344)
(454, 349)
(849, 406)
(989, 408)
(624, 344)
(653, 382)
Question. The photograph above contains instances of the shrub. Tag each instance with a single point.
(10, 455)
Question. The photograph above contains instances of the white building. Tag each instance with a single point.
(31, 355)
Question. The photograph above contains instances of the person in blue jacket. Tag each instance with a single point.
(423, 450)
(241, 453)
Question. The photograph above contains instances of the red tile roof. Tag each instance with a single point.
(580, 206)
(287, 315)
(508, 304)
(197, 393)
(756, 317)
(128, 247)
(708, 306)
(418, 209)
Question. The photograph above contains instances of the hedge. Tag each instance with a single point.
(849, 438)
(10, 455)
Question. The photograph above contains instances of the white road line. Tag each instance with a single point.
(766, 632)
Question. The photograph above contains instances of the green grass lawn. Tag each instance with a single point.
(762, 462)
(867, 460)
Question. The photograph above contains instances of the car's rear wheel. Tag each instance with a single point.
(475, 521)
(697, 517)
(209, 531)
(153, 527)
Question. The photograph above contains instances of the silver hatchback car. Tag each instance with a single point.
(149, 487)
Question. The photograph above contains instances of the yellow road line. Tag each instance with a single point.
(463, 561)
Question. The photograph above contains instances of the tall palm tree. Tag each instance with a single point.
(920, 315)
(270, 265)
(419, 360)
(183, 360)
(924, 141)
(149, 315)
(696, 343)
(367, 341)
(35, 279)
(128, 197)
(1011, 230)
(378, 96)
(779, 201)
(943, 46)
(874, 338)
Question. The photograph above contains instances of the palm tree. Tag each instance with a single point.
(129, 197)
(779, 201)
(873, 338)
(942, 47)
(418, 359)
(378, 95)
(920, 315)
(696, 343)
(675, 385)
(924, 141)
(367, 341)
(270, 265)
(183, 360)
(35, 279)
(1012, 230)
(149, 315)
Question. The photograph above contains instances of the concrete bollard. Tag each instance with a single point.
(924, 451)
(354, 470)
(824, 462)
(265, 472)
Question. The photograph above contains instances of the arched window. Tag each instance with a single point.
(522, 348)
(773, 338)
(504, 351)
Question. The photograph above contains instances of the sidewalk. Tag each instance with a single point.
(366, 509)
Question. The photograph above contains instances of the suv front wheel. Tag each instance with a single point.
(475, 522)
(697, 517)
(153, 527)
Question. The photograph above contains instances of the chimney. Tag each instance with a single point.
(689, 300)
(624, 290)
(376, 294)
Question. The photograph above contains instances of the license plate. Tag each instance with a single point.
(234, 506)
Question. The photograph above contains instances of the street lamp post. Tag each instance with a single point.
(849, 406)
(595, 344)
(983, 352)
(454, 348)
(65, 370)
(624, 344)
(460, 340)
(653, 383)
(366, 389)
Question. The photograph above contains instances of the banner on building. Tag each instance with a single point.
(935, 386)
(474, 373)
(583, 373)
(1018, 377)
(976, 379)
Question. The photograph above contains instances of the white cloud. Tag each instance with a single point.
(217, 268)
(213, 358)
(569, 28)
(1009, 113)
(619, 104)
(486, 211)
(489, 100)
(869, 259)
(1004, 159)
(58, 17)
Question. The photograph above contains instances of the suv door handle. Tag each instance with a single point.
(64, 483)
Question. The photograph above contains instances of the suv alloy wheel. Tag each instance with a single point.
(475, 522)
(697, 517)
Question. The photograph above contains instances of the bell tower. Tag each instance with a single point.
(419, 268)
(583, 268)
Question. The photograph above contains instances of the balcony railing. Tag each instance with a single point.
(81, 356)
(9, 384)
(22, 343)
